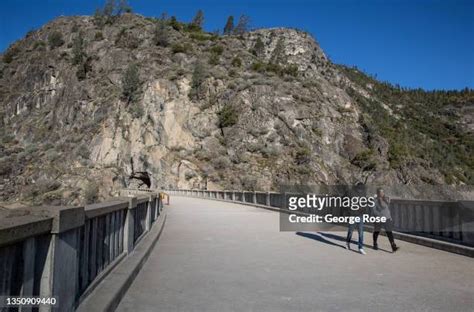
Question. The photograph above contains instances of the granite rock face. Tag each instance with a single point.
(257, 119)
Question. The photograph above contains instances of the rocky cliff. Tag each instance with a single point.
(249, 111)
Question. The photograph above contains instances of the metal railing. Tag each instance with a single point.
(64, 252)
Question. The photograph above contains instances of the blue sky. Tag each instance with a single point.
(417, 43)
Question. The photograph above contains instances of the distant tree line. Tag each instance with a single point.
(197, 24)
(114, 8)
(240, 28)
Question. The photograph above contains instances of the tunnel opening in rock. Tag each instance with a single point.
(139, 179)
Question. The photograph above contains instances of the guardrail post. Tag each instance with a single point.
(436, 220)
(254, 197)
(60, 271)
(29, 250)
(130, 225)
(418, 218)
(466, 209)
(233, 195)
(149, 209)
(457, 221)
(267, 199)
(157, 206)
(395, 211)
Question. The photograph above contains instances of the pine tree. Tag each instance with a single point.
(78, 53)
(55, 39)
(131, 84)
(228, 116)
(199, 75)
(174, 23)
(198, 20)
(259, 48)
(242, 25)
(98, 18)
(109, 8)
(123, 7)
(161, 37)
(278, 53)
(83, 68)
(80, 58)
(229, 26)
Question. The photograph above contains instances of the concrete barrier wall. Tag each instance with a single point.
(452, 221)
(64, 252)
(449, 220)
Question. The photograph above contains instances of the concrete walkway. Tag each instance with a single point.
(216, 256)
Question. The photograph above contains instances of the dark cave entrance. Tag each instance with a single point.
(139, 178)
(142, 177)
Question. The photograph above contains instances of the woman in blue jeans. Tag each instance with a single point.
(360, 231)
(358, 191)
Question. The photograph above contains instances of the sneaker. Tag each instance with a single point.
(395, 248)
(348, 246)
(362, 251)
(376, 247)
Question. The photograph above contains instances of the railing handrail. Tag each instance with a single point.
(395, 199)
(99, 209)
(18, 228)
(74, 247)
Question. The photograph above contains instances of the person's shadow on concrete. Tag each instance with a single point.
(319, 237)
(343, 239)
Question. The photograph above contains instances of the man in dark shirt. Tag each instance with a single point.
(382, 209)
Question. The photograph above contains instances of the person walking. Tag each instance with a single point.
(360, 231)
(359, 190)
(382, 209)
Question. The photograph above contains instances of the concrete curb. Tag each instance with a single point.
(434, 243)
(419, 240)
(112, 288)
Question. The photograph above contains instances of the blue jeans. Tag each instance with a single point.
(360, 230)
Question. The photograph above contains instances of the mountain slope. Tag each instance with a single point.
(88, 108)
